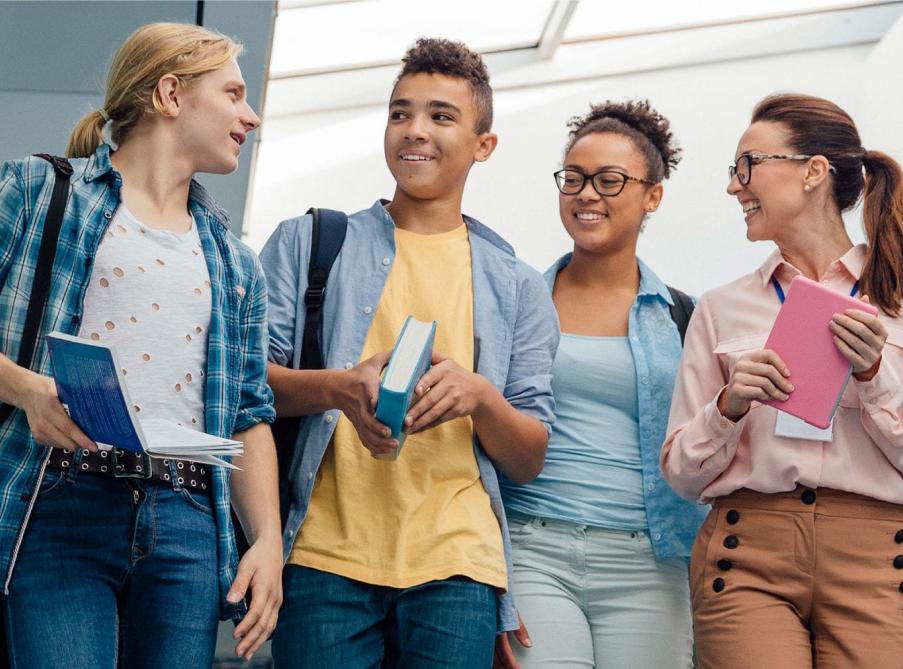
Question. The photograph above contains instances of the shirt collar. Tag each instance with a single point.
(650, 284)
(853, 261)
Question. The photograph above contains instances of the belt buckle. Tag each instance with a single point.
(119, 468)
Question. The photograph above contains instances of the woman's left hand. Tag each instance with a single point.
(860, 337)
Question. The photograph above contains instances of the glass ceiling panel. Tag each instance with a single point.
(367, 32)
(600, 19)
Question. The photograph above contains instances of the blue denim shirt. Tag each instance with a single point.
(655, 344)
(515, 336)
(236, 393)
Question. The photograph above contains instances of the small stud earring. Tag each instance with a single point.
(806, 187)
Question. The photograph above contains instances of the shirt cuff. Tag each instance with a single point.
(877, 392)
(721, 430)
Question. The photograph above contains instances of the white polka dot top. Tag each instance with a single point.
(149, 295)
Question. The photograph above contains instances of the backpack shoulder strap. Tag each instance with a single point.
(327, 236)
(681, 311)
(40, 286)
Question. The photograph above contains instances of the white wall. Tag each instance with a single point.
(705, 81)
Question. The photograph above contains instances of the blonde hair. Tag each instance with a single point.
(185, 50)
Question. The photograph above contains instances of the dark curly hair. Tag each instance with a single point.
(453, 59)
(638, 121)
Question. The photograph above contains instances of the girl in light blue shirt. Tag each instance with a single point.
(600, 541)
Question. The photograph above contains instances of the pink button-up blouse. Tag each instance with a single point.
(706, 455)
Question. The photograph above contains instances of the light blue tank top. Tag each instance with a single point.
(593, 472)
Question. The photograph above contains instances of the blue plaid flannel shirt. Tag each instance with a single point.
(237, 395)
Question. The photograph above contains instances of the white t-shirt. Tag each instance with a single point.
(149, 295)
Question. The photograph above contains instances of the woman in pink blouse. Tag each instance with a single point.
(800, 562)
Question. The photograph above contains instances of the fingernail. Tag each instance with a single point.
(789, 387)
(233, 597)
(784, 396)
(528, 642)
(250, 657)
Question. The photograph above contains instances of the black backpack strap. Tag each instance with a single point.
(681, 311)
(40, 287)
(327, 237)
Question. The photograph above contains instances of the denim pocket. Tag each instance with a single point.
(202, 501)
(51, 484)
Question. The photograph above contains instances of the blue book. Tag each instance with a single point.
(92, 389)
(411, 358)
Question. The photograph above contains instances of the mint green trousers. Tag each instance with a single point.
(598, 599)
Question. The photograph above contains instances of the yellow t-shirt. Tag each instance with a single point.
(425, 516)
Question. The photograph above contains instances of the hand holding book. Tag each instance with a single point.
(819, 337)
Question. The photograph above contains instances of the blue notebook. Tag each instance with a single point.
(411, 358)
(90, 387)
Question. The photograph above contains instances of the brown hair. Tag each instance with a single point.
(649, 131)
(453, 59)
(818, 127)
(182, 49)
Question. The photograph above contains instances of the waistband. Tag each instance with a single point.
(823, 501)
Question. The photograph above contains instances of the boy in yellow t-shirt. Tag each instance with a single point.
(407, 563)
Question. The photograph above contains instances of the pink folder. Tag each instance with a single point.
(801, 337)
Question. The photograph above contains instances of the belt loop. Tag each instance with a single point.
(75, 465)
(174, 475)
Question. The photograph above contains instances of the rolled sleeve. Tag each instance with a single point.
(282, 258)
(256, 403)
(528, 387)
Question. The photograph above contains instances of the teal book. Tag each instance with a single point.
(411, 358)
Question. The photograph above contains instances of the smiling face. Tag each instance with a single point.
(214, 120)
(431, 140)
(774, 196)
(607, 224)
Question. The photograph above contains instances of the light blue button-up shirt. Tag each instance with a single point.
(515, 336)
(655, 344)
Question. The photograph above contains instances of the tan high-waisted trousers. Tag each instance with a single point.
(802, 579)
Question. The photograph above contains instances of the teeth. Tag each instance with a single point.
(416, 158)
(751, 206)
(586, 216)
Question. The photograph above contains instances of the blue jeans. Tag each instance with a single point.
(329, 621)
(114, 572)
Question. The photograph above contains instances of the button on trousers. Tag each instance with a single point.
(802, 579)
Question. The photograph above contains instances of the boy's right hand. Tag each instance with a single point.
(47, 419)
(357, 393)
(504, 657)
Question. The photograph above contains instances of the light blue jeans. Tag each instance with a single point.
(596, 598)
(114, 573)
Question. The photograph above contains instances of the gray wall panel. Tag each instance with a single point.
(54, 57)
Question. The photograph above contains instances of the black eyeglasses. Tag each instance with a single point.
(606, 183)
(742, 169)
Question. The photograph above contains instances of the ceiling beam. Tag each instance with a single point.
(557, 23)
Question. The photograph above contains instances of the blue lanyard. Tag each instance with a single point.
(780, 291)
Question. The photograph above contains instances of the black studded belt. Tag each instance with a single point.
(127, 464)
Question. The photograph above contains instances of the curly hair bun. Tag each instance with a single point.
(637, 120)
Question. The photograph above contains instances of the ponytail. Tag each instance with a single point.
(882, 217)
(86, 136)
